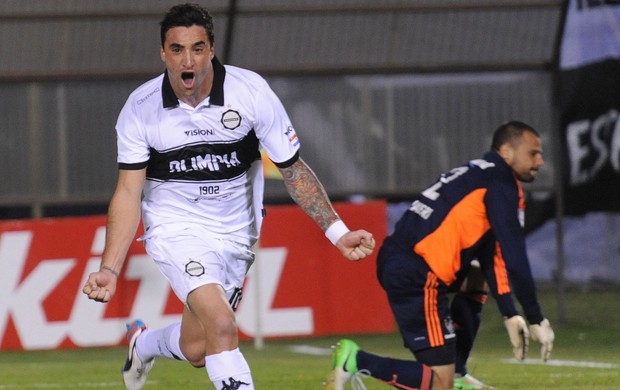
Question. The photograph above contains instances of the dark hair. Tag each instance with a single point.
(510, 132)
(187, 15)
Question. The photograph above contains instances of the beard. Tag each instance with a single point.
(526, 178)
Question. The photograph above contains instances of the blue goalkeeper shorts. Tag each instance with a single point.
(420, 304)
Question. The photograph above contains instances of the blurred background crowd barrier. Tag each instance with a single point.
(385, 96)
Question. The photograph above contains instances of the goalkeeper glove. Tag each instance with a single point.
(519, 335)
(543, 334)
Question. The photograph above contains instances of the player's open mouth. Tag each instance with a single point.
(188, 79)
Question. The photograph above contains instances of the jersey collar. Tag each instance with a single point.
(170, 100)
(500, 163)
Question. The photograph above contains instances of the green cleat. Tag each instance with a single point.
(344, 364)
(468, 382)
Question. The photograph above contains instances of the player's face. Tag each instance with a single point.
(187, 54)
(525, 156)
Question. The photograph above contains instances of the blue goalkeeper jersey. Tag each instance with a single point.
(475, 211)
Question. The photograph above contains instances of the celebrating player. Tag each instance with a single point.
(189, 160)
(474, 212)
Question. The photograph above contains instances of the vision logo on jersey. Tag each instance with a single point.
(292, 136)
(231, 119)
(199, 132)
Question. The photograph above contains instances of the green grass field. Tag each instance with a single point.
(586, 355)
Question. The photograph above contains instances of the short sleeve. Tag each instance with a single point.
(132, 145)
(273, 127)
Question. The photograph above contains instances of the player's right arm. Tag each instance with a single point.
(122, 223)
(309, 194)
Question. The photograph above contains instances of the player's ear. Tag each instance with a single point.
(162, 54)
(506, 151)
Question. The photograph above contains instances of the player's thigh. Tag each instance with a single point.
(239, 259)
(475, 282)
(208, 325)
(418, 300)
(403, 285)
(209, 304)
(189, 262)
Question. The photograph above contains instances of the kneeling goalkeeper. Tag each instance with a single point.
(473, 212)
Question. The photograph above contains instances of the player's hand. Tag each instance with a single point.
(543, 334)
(100, 286)
(519, 335)
(356, 245)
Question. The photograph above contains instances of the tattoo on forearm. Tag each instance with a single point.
(306, 190)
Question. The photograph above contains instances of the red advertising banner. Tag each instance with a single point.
(299, 286)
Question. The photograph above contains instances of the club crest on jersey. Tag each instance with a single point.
(194, 268)
(231, 119)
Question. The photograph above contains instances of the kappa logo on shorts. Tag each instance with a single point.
(231, 119)
(449, 326)
(194, 268)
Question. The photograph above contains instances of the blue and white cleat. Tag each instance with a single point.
(135, 370)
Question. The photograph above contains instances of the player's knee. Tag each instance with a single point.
(478, 296)
(437, 356)
(442, 380)
(194, 353)
(224, 328)
(198, 363)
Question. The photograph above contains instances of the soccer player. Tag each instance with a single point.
(189, 161)
(474, 212)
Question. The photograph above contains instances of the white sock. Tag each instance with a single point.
(229, 370)
(160, 342)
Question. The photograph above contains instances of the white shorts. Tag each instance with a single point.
(189, 258)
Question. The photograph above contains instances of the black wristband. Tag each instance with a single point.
(105, 267)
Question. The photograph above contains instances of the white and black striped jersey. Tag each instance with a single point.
(203, 164)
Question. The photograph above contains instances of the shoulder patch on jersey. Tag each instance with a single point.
(292, 136)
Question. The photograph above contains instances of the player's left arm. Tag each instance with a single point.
(511, 242)
(306, 190)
